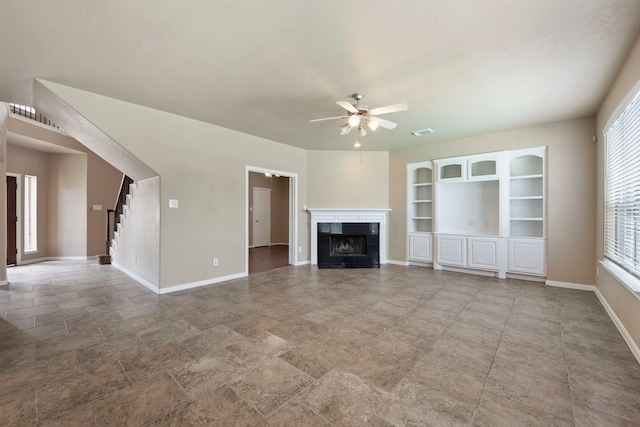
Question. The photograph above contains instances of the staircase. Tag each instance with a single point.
(122, 204)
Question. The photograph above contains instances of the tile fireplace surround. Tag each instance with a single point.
(348, 215)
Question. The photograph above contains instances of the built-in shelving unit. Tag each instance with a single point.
(420, 211)
(480, 212)
(526, 196)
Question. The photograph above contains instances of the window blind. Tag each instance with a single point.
(622, 188)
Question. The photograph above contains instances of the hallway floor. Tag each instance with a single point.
(83, 344)
(268, 258)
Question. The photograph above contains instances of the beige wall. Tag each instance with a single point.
(280, 210)
(4, 117)
(624, 303)
(348, 179)
(279, 186)
(571, 190)
(67, 213)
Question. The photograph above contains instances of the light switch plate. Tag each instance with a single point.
(97, 207)
(173, 203)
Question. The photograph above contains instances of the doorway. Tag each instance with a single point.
(13, 218)
(271, 219)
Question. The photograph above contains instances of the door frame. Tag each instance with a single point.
(293, 213)
(19, 231)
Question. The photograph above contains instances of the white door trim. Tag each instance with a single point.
(19, 231)
(293, 212)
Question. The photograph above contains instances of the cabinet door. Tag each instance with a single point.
(420, 248)
(450, 250)
(527, 256)
(451, 170)
(484, 167)
(483, 253)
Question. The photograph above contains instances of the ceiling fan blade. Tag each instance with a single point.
(328, 118)
(386, 123)
(348, 106)
(389, 109)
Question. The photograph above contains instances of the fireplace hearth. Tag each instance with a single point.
(349, 245)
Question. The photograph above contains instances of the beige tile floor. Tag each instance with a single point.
(83, 344)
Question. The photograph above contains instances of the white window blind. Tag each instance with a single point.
(622, 188)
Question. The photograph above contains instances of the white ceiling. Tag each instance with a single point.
(267, 67)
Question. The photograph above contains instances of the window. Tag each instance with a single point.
(30, 213)
(622, 188)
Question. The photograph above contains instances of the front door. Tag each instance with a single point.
(261, 216)
(12, 218)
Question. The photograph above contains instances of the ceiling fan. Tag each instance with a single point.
(358, 114)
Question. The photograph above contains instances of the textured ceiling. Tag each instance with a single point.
(267, 67)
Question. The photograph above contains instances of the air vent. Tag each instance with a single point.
(422, 132)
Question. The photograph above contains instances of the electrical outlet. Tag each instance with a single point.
(215, 261)
(299, 249)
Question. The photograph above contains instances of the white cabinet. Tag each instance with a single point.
(452, 170)
(483, 167)
(478, 253)
(484, 253)
(420, 247)
(527, 256)
(420, 211)
(479, 167)
(450, 250)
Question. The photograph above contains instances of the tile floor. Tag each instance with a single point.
(83, 344)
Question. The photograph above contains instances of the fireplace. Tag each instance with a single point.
(348, 245)
(348, 238)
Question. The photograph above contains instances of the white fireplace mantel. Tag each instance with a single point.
(348, 215)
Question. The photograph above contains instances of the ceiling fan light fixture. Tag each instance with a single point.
(362, 131)
(345, 129)
(354, 120)
(357, 144)
(373, 124)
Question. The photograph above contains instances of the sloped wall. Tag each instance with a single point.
(203, 167)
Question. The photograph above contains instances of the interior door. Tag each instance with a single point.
(261, 216)
(12, 218)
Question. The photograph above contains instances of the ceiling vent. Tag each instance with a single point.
(422, 132)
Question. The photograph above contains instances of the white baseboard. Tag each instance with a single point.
(304, 262)
(197, 284)
(32, 261)
(623, 331)
(569, 285)
(616, 321)
(4, 282)
(137, 278)
(395, 262)
(54, 258)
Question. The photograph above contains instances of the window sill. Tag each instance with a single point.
(629, 281)
(30, 252)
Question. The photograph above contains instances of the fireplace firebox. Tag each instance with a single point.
(348, 245)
